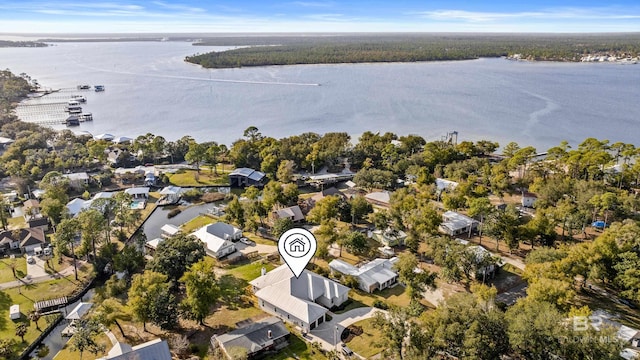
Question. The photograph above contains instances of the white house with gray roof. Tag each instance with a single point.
(454, 223)
(374, 275)
(217, 238)
(302, 301)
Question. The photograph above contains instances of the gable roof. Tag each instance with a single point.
(34, 237)
(137, 191)
(375, 271)
(293, 212)
(171, 190)
(157, 349)
(383, 197)
(297, 296)
(76, 205)
(456, 221)
(223, 230)
(212, 242)
(254, 337)
(248, 173)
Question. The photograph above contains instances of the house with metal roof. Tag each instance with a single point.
(257, 339)
(377, 274)
(379, 198)
(243, 177)
(302, 301)
(157, 349)
(388, 237)
(138, 192)
(454, 223)
(217, 239)
(78, 181)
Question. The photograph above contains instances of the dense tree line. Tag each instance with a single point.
(409, 48)
(9, 43)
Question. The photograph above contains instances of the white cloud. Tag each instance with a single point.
(550, 14)
(312, 3)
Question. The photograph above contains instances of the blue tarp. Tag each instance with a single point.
(599, 224)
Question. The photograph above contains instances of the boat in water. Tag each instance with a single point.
(79, 98)
(99, 88)
(84, 87)
(72, 120)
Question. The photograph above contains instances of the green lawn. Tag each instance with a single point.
(197, 223)
(67, 354)
(365, 344)
(249, 272)
(26, 296)
(6, 274)
(298, 349)
(188, 178)
(394, 296)
(17, 222)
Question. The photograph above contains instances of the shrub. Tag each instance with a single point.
(212, 197)
(192, 194)
(350, 281)
(380, 304)
(173, 213)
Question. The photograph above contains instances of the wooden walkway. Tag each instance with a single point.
(48, 305)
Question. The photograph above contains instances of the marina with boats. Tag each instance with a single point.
(57, 107)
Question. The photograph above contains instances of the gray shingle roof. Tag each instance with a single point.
(254, 337)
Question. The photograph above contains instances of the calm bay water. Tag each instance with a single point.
(149, 88)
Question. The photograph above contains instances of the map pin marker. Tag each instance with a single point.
(297, 247)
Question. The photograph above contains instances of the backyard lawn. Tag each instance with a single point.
(393, 296)
(197, 223)
(26, 296)
(365, 344)
(67, 354)
(298, 349)
(6, 275)
(187, 178)
(250, 271)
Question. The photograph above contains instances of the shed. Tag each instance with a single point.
(14, 312)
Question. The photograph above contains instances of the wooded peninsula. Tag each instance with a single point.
(293, 50)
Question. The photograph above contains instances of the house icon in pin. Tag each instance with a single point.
(297, 246)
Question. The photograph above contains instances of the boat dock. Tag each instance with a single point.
(54, 108)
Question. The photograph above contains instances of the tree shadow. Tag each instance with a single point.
(233, 291)
(5, 304)
(20, 274)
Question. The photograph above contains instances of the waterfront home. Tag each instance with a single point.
(454, 223)
(169, 230)
(302, 301)
(170, 195)
(257, 339)
(379, 198)
(138, 192)
(217, 239)
(244, 177)
(157, 349)
(121, 140)
(389, 237)
(76, 205)
(78, 181)
(377, 274)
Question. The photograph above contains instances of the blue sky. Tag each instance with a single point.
(119, 16)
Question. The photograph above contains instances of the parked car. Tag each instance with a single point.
(31, 259)
(246, 241)
(345, 349)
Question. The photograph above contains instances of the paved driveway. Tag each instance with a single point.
(37, 269)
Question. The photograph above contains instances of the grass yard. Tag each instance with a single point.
(197, 223)
(6, 275)
(365, 344)
(393, 296)
(189, 178)
(250, 271)
(17, 222)
(67, 354)
(26, 296)
(259, 240)
(298, 349)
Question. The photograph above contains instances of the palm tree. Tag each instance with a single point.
(21, 330)
(34, 316)
(110, 311)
